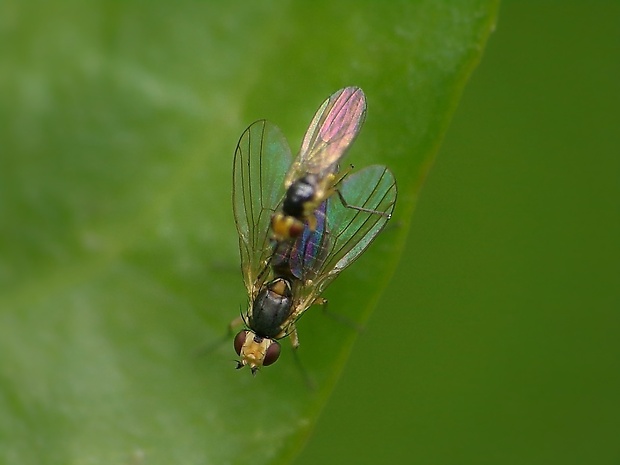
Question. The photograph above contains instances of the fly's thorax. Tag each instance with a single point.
(255, 351)
(323, 189)
(271, 308)
(300, 192)
(302, 198)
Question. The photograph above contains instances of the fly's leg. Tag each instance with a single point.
(338, 178)
(361, 209)
(335, 181)
(312, 222)
(337, 316)
(294, 339)
(330, 183)
(304, 373)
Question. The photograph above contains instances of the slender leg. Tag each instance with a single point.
(294, 338)
(312, 222)
(337, 178)
(361, 209)
(304, 373)
(337, 316)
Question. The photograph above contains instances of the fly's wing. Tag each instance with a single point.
(349, 232)
(261, 160)
(332, 130)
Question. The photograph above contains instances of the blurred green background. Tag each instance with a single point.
(498, 340)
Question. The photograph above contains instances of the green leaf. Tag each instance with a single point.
(118, 251)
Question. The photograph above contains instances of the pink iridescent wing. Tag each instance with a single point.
(332, 130)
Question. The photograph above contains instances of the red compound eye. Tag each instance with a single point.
(272, 354)
(240, 340)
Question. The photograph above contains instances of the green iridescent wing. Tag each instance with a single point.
(261, 160)
(350, 231)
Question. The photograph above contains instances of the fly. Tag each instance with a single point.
(283, 279)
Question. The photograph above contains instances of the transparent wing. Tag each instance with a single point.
(349, 232)
(261, 160)
(332, 130)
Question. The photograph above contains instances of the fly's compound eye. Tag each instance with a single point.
(239, 341)
(272, 354)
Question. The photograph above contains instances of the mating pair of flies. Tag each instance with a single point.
(301, 222)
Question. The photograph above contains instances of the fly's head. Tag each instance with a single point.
(255, 351)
